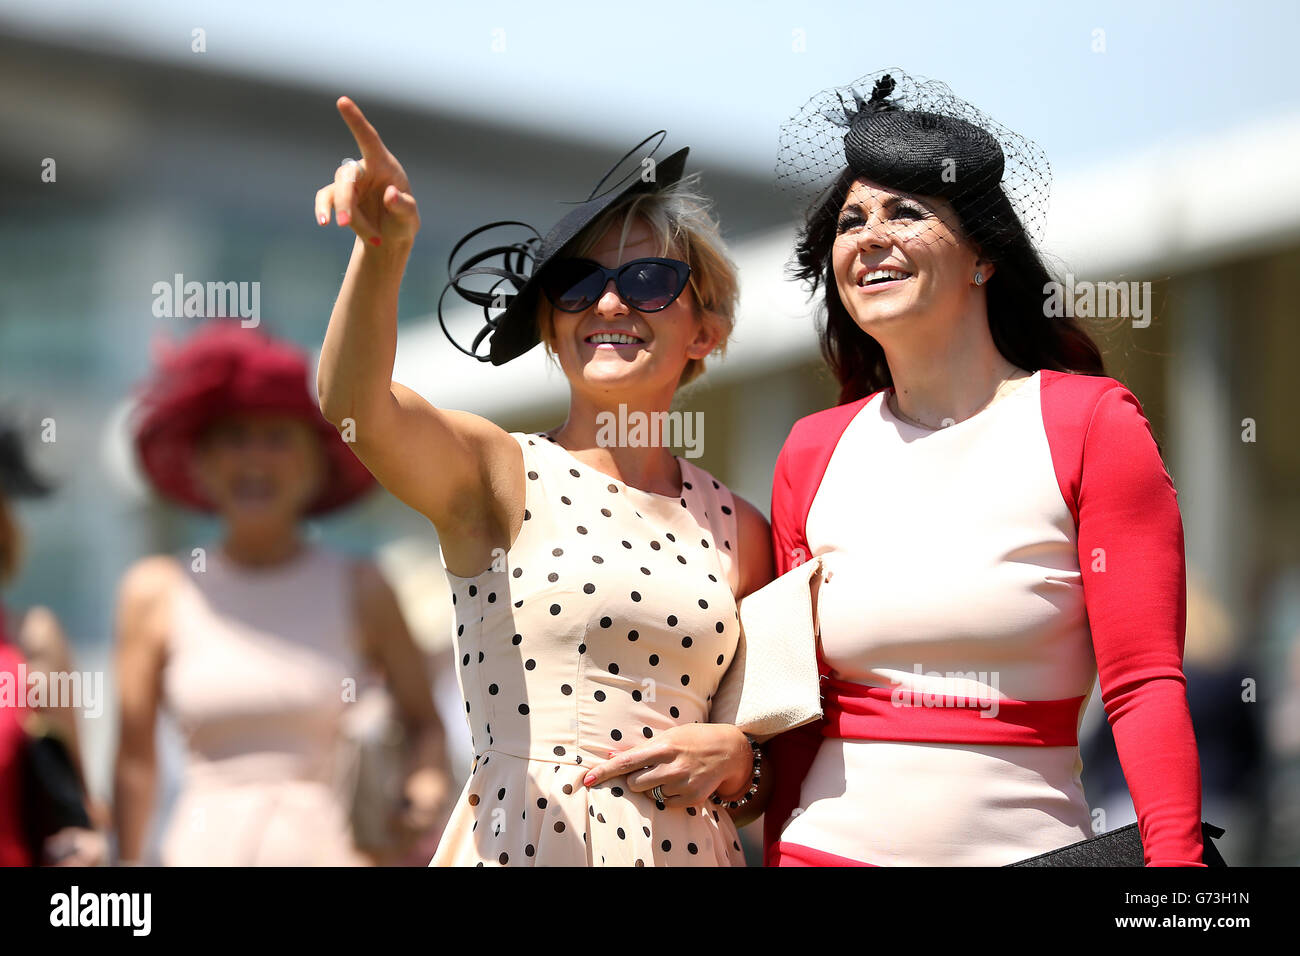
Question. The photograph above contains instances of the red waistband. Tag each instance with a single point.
(796, 854)
(857, 712)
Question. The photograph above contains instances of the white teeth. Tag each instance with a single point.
(614, 338)
(875, 274)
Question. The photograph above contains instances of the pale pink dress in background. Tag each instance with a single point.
(256, 668)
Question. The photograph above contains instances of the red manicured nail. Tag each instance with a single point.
(374, 240)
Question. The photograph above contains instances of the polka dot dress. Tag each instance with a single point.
(611, 620)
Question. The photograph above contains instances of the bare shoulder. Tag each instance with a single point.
(149, 579)
(144, 597)
(497, 448)
(750, 518)
(473, 432)
(475, 427)
(755, 533)
(493, 516)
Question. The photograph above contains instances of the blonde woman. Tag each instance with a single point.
(594, 582)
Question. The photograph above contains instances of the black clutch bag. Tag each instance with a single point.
(51, 792)
(1122, 847)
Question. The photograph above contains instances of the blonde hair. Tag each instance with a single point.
(682, 222)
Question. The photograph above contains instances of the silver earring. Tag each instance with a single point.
(979, 278)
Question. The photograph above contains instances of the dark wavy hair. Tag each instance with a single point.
(1015, 293)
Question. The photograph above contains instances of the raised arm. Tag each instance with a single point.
(461, 471)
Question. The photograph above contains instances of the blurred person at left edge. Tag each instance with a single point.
(45, 813)
(252, 643)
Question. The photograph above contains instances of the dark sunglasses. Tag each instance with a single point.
(647, 285)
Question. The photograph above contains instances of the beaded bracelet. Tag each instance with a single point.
(753, 787)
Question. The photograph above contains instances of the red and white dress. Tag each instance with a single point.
(979, 579)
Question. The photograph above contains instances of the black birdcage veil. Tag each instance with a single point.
(912, 135)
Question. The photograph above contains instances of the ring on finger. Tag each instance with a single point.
(658, 794)
(354, 169)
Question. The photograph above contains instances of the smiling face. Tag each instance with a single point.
(611, 348)
(260, 467)
(898, 257)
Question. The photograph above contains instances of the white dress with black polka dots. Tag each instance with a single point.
(611, 619)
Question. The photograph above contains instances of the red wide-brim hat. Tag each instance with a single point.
(226, 369)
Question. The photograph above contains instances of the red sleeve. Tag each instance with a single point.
(1134, 582)
(799, 470)
(789, 543)
(798, 474)
(13, 841)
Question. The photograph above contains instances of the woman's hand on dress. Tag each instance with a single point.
(690, 763)
(372, 196)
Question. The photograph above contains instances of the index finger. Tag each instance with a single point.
(367, 139)
(645, 755)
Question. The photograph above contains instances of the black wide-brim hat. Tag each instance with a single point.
(510, 316)
(226, 369)
(17, 478)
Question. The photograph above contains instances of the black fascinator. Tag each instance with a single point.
(914, 135)
(502, 278)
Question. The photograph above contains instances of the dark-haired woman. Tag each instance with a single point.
(995, 521)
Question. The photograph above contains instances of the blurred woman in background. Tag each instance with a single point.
(32, 643)
(256, 645)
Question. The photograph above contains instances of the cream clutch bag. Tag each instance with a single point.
(773, 684)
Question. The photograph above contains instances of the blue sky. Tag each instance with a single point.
(725, 75)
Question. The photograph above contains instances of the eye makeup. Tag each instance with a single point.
(851, 217)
